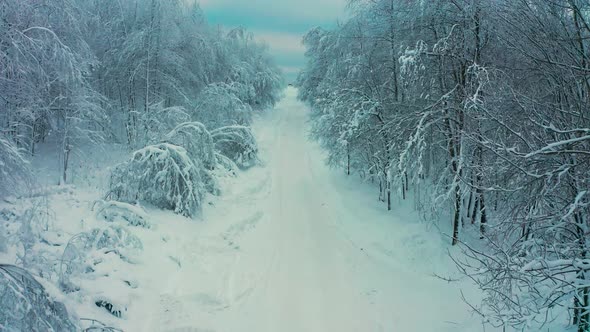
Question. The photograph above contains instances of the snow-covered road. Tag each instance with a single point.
(311, 274)
(295, 246)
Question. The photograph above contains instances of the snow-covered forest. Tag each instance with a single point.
(429, 169)
(478, 112)
(76, 73)
(140, 100)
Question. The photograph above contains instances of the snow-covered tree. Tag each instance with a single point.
(137, 74)
(44, 65)
(219, 105)
(478, 110)
(196, 139)
(237, 143)
(163, 175)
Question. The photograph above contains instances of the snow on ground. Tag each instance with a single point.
(289, 246)
(296, 246)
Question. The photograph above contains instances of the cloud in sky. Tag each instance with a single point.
(289, 70)
(307, 10)
(281, 42)
(279, 23)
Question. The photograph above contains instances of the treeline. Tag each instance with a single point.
(79, 72)
(480, 109)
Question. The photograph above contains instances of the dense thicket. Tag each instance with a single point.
(480, 109)
(77, 72)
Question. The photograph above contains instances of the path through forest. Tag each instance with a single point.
(300, 247)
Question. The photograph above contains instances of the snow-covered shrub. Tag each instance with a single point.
(225, 165)
(86, 250)
(33, 222)
(196, 139)
(3, 241)
(26, 235)
(111, 211)
(237, 143)
(7, 221)
(26, 306)
(163, 175)
(116, 238)
(24, 224)
(14, 170)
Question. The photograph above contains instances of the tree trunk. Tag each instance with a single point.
(407, 183)
(388, 195)
(483, 219)
(66, 159)
(469, 206)
(582, 298)
(403, 190)
(348, 162)
(457, 215)
(480, 195)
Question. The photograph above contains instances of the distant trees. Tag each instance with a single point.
(224, 106)
(478, 108)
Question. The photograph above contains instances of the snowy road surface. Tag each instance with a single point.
(295, 246)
